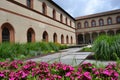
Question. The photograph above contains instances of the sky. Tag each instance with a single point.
(78, 8)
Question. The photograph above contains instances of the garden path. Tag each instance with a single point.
(70, 56)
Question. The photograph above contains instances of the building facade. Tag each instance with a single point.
(34, 21)
(91, 26)
(43, 20)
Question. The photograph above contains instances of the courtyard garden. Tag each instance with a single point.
(14, 67)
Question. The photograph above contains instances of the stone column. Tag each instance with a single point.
(115, 31)
(106, 32)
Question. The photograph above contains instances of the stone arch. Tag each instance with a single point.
(80, 39)
(45, 36)
(87, 38)
(30, 35)
(62, 39)
(7, 33)
(55, 38)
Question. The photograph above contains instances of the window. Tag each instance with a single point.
(86, 24)
(70, 23)
(93, 23)
(101, 22)
(44, 9)
(5, 35)
(67, 39)
(79, 25)
(61, 17)
(54, 14)
(71, 40)
(118, 19)
(30, 35)
(30, 3)
(66, 21)
(55, 38)
(45, 36)
(109, 21)
(62, 39)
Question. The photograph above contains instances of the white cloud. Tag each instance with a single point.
(93, 5)
(85, 7)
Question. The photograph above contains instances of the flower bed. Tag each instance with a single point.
(17, 70)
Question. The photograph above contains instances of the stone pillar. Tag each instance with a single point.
(115, 31)
(106, 32)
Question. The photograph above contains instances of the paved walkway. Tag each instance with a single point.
(69, 56)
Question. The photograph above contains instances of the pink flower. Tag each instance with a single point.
(107, 73)
(2, 74)
(68, 74)
(12, 78)
(87, 76)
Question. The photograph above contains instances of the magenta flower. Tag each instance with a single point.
(68, 74)
(87, 76)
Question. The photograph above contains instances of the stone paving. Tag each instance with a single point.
(69, 56)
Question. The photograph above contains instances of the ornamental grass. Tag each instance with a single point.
(107, 47)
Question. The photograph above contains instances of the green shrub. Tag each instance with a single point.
(20, 51)
(105, 47)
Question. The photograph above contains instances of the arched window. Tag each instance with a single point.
(44, 8)
(55, 38)
(109, 21)
(118, 19)
(86, 24)
(45, 36)
(71, 40)
(7, 33)
(70, 23)
(54, 14)
(67, 39)
(30, 3)
(79, 25)
(101, 22)
(66, 20)
(93, 23)
(30, 35)
(61, 17)
(62, 39)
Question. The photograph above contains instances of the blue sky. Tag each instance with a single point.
(78, 8)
